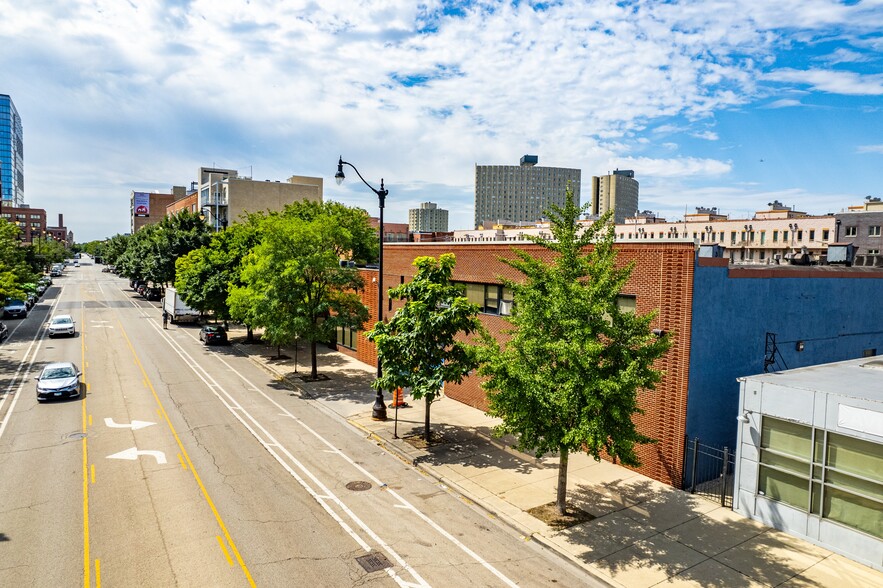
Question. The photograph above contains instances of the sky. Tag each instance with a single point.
(713, 103)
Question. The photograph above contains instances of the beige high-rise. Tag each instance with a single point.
(617, 192)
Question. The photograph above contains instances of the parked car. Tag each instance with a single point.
(15, 309)
(141, 289)
(55, 272)
(213, 334)
(31, 300)
(61, 324)
(153, 293)
(58, 380)
(4, 332)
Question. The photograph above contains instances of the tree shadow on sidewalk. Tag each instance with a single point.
(459, 446)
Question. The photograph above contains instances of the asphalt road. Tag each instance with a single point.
(189, 466)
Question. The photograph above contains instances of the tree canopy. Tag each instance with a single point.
(422, 345)
(293, 284)
(568, 378)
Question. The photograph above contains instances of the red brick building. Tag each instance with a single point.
(662, 280)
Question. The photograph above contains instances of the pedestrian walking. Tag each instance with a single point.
(165, 319)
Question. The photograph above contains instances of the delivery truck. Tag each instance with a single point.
(176, 309)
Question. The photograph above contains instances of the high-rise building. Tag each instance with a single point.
(12, 175)
(511, 194)
(617, 192)
(429, 218)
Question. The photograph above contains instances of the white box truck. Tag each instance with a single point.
(175, 307)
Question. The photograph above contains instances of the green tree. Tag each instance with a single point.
(292, 282)
(14, 269)
(204, 276)
(422, 345)
(151, 253)
(569, 377)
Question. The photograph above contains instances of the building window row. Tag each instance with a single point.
(347, 337)
(826, 474)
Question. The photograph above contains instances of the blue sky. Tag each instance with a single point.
(712, 103)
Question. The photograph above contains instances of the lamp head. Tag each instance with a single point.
(339, 177)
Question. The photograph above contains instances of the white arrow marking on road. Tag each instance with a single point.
(132, 454)
(134, 425)
(102, 326)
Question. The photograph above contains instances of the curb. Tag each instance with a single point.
(415, 461)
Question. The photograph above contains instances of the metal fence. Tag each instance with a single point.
(708, 471)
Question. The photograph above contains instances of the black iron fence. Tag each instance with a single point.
(708, 471)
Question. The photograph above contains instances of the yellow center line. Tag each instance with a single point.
(92, 471)
(224, 549)
(164, 415)
(97, 573)
(87, 580)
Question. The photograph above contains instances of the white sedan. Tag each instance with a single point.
(58, 380)
(62, 324)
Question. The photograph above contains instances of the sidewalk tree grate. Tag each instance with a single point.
(374, 562)
(358, 486)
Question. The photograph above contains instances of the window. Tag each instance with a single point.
(873, 252)
(627, 303)
(733, 238)
(347, 337)
(785, 236)
(762, 238)
(775, 236)
(827, 474)
(825, 234)
(800, 235)
(874, 231)
(490, 298)
(850, 231)
(812, 235)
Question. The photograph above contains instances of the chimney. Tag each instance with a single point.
(60, 220)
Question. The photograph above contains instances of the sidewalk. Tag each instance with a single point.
(642, 533)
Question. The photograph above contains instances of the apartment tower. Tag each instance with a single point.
(617, 192)
(515, 194)
(429, 218)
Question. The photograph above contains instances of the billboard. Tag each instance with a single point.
(142, 203)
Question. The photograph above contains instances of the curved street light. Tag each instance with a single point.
(378, 412)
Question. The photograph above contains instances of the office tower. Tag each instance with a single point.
(429, 218)
(618, 192)
(512, 194)
(12, 175)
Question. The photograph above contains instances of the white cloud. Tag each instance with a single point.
(831, 81)
(119, 96)
(783, 103)
(869, 149)
(674, 168)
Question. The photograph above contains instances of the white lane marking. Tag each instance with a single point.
(270, 444)
(39, 336)
(134, 453)
(134, 425)
(361, 469)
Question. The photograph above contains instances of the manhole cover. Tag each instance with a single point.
(374, 562)
(76, 435)
(359, 486)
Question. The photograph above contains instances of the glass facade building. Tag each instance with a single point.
(12, 176)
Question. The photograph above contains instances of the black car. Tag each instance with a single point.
(153, 293)
(4, 332)
(213, 334)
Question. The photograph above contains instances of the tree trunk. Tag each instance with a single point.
(426, 436)
(314, 374)
(561, 499)
(278, 352)
(249, 334)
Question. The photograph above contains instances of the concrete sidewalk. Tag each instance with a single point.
(642, 533)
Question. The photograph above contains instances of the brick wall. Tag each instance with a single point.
(662, 280)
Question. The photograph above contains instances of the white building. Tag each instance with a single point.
(809, 458)
(429, 218)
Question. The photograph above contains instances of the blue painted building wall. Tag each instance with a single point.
(838, 314)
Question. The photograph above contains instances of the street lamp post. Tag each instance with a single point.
(378, 412)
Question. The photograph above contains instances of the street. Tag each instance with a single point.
(185, 465)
